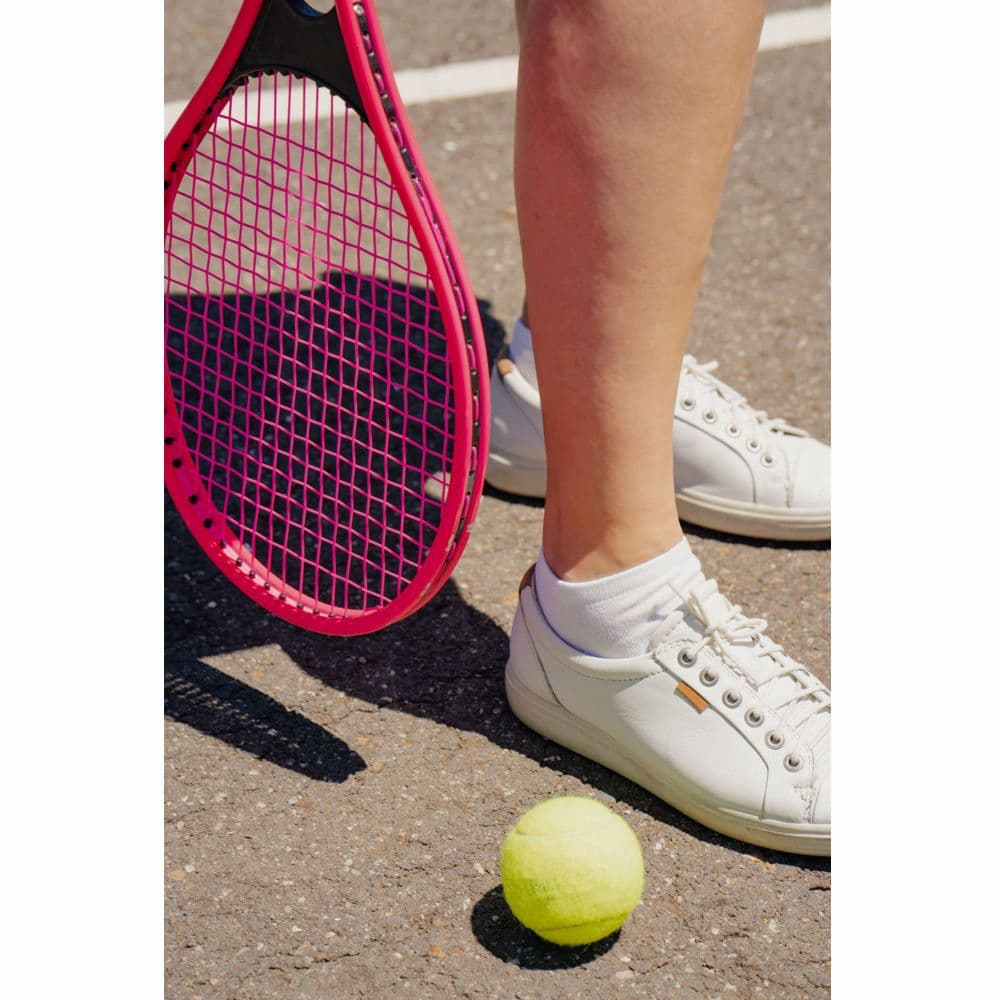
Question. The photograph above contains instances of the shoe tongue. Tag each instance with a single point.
(778, 690)
(758, 668)
(711, 607)
(686, 579)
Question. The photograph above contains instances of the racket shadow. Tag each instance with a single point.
(213, 702)
(322, 419)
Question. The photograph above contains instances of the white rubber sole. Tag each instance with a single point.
(555, 723)
(753, 520)
(512, 474)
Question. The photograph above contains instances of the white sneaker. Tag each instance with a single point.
(735, 468)
(715, 718)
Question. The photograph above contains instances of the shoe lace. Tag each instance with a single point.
(740, 642)
(702, 372)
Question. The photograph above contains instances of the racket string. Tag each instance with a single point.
(305, 348)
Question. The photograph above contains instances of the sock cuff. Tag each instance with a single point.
(615, 615)
(670, 564)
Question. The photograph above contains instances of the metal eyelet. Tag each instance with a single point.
(708, 677)
(754, 717)
(793, 762)
(709, 416)
(767, 461)
(733, 430)
(687, 403)
(686, 658)
(775, 740)
(732, 698)
(753, 445)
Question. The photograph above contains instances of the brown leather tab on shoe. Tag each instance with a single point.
(529, 575)
(503, 363)
(692, 696)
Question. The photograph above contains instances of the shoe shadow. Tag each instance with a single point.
(757, 543)
(499, 932)
(492, 491)
(493, 331)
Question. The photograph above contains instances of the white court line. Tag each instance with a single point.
(796, 27)
(498, 76)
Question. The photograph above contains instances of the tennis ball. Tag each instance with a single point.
(571, 870)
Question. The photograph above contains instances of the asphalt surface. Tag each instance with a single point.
(335, 808)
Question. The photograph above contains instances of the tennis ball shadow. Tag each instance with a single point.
(500, 933)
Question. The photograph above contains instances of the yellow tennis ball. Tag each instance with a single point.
(571, 870)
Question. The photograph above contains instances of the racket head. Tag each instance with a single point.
(258, 352)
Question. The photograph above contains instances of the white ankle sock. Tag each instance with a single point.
(615, 616)
(522, 353)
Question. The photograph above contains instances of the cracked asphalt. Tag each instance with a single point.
(335, 808)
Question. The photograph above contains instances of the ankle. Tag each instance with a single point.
(578, 557)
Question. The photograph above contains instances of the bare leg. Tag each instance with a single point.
(626, 118)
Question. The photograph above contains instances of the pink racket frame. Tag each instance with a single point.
(467, 354)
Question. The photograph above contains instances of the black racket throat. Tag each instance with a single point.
(290, 36)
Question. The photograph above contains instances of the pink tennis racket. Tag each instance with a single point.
(326, 405)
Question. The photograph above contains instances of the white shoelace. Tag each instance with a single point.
(739, 404)
(785, 686)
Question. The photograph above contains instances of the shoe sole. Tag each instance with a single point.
(513, 475)
(555, 723)
(753, 520)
